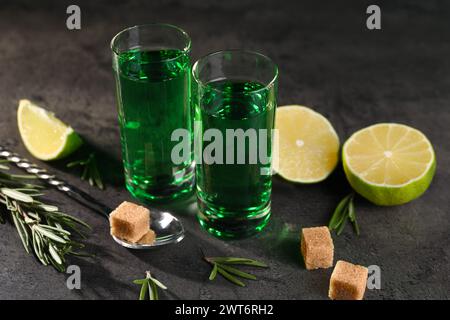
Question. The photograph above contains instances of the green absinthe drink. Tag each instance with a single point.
(235, 97)
(153, 96)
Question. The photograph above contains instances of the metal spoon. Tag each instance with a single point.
(168, 228)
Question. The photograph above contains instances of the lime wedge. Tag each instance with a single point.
(45, 136)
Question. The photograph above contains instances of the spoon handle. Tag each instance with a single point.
(71, 191)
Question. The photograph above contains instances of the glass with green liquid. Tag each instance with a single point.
(234, 95)
(152, 72)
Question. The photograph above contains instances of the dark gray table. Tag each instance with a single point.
(327, 59)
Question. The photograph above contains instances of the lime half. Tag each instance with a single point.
(45, 136)
(389, 163)
(307, 146)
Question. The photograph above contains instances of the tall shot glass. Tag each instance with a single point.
(152, 71)
(234, 94)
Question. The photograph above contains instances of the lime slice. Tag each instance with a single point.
(389, 163)
(45, 136)
(307, 147)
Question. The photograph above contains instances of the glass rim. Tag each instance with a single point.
(203, 84)
(185, 50)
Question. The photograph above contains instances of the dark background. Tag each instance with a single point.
(328, 60)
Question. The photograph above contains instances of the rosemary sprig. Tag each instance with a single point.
(90, 171)
(42, 228)
(149, 285)
(224, 267)
(344, 211)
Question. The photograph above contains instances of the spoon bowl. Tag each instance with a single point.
(168, 230)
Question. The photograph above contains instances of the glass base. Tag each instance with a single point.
(229, 225)
(182, 187)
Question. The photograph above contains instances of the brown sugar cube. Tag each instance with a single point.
(317, 248)
(148, 238)
(348, 281)
(129, 221)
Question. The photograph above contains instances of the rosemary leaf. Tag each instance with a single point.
(342, 226)
(153, 290)
(230, 277)
(352, 217)
(49, 234)
(22, 231)
(344, 217)
(238, 272)
(343, 212)
(158, 283)
(37, 247)
(144, 290)
(356, 227)
(49, 208)
(213, 274)
(97, 177)
(56, 265)
(75, 163)
(91, 179)
(351, 211)
(54, 254)
(40, 244)
(223, 266)
(59, 230)
(81, 254)
(16, 195)
(85, 173)
(149, 285)
(31, 192)
(139, 281)
(76, 231)
(243, 261)
(338, 213)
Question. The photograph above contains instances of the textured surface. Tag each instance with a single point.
(327, 59)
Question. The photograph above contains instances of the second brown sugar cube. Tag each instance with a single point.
(317, 248)
(348, 281)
